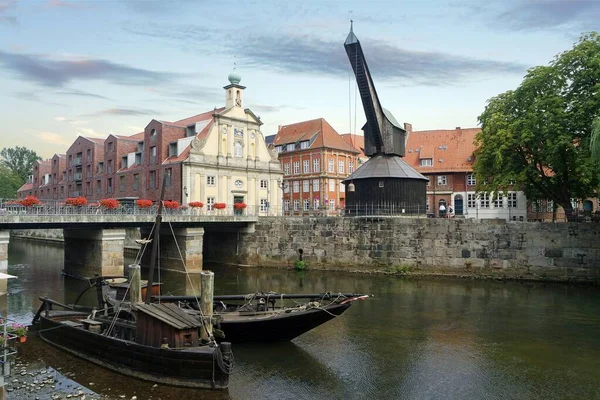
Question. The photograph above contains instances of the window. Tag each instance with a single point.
(316, 165)
(110, 146)
(278, 149)
(138, 158)
(306, 204)
(153, 155)
(331, 165)
(210, 201)
(549, 204)
(381, 184)
(426, 162)
(306, 186)
(536, 206)
(238, 149)
(100, 168)
(88, 156)
(124, 162)
(109, 167)
(286, 168)
(88, 171)
(172, 149)
(296, 205)
(296, 186)
(122, 183)
(341, 167)
(471, 200)
(498, 203)
(315, 185)
(264, 184)
(152, 179)
(264, 205)
(306, 166)
(484, 199)
(304, 144)
(316, 204)
(296, 167)
(168, 177)
(286, 205)
(210, 181)
(98, 186)
(441, 180)
(331, 185)
(286, 187)
(136, 181)
(342, 188)
(153, 133)
(471, 181)
(290, 147)
(350, 167)
(332, 205)
(512, 200)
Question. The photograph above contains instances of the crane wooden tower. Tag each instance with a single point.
(385, 184)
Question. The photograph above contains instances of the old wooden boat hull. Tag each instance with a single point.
(276, 326)
(197, 367)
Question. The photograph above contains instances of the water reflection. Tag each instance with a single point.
(416, 339)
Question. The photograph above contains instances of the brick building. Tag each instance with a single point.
(315, 159)
(217, 156)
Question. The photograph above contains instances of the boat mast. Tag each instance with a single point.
(155, 242)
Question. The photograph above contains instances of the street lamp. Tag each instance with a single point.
(281, 183)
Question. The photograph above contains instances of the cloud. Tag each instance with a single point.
(60, 119)
(54, 138)
(316, 56)
(58, 73)
(80, 93)
(545, 15)
(91, 133)
(121, 112)
(270, 108)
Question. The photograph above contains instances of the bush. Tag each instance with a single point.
(141, 203)
(300, 265)
(110, 204)
(196, 204)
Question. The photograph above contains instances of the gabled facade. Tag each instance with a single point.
(446, 157)
(84, 168)
(315, 160)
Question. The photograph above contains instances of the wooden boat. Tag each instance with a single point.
(267, 317)
(156, 342)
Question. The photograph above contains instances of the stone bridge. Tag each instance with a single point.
(94, 242)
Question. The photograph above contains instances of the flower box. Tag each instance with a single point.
(110, 204)
(196, 204)
(219, 206)
(142, 203)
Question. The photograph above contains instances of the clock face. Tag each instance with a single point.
(239, 183)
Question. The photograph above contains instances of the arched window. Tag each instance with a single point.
(238, 149)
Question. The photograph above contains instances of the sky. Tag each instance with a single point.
(95, 68)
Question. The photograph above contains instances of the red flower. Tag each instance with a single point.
(30, 201)
(196, 204)
(141, 203)
(172, 204)
(76, 201)
(219, 206)
(240, 206)
(110, 204)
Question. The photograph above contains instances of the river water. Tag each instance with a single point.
(415, 339)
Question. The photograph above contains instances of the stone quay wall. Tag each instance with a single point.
(459, 247)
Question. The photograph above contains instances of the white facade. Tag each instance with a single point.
(511, 207)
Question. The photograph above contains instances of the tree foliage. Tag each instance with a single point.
(10, 182)
(20, 160)
(538, 135)
(595, 142)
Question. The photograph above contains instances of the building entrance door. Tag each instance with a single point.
(238, 200)
(458, 204)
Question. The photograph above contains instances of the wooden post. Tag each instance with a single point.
(207, 279)
(135, 284)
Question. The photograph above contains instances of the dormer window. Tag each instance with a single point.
(190, 131)
(278, 149)
(290, 147)
(153, 133)
(304, 144)
(426, 162)
(172, 149)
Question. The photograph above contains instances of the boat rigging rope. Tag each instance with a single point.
(202, 316)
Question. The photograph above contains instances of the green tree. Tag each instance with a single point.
(19, 160)
(538, 135)
(10, 182)
(595, 142)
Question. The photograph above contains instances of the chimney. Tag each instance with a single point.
(407, 127)
(278, 128)
(458, 128)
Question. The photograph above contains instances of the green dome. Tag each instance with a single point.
(234, 78)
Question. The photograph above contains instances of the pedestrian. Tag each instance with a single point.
(442, 210)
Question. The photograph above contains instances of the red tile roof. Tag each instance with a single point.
(25, 187)
(326, 136)
(450, 150)
(356, 141)
(200, 117)
(96, 140)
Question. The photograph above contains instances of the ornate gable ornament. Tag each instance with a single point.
(198, 144)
